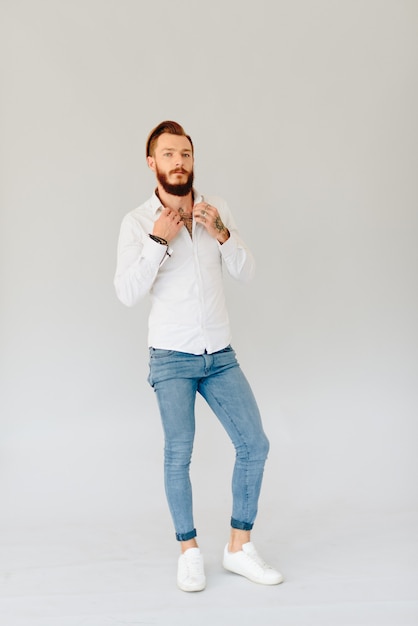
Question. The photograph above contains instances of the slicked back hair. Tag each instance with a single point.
(169, 127)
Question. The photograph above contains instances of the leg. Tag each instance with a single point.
(228, 393)
(176, 400)
(176, 395)
(177, 415)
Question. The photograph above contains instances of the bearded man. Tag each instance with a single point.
(174, 248)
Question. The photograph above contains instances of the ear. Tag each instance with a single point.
(151, 163)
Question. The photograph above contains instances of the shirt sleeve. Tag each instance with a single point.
(138, 261)
(237, 258)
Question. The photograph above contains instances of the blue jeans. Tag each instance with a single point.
(176, 377)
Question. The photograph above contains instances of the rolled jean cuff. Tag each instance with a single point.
(186, 536)
(241, 525)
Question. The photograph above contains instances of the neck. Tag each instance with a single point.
(175, 202)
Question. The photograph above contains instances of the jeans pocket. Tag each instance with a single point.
(227, 349)
(159, 353)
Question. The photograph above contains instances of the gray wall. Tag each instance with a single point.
(304, 117)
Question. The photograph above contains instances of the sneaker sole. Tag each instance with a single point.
(254, 580)
(191, 589)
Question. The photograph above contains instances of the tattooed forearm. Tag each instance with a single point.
(223, 232)
(219, 225)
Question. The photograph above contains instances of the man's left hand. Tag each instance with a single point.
(209, 217)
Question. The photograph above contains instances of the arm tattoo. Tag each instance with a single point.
(219, 225)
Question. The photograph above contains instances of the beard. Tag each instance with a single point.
(175, 189)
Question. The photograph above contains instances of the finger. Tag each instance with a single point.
(205, 210)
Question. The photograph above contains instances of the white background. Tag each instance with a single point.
(304, 117)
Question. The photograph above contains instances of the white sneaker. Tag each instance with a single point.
(190, 571)
(248, 563)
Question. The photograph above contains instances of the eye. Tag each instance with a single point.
(168, 154)
(187, 155)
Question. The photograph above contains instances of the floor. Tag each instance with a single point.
(361, 571)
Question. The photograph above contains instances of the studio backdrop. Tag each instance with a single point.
(303, 116)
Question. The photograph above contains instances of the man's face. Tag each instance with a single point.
(172, 163)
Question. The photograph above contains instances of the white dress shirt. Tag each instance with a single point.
(185, 282)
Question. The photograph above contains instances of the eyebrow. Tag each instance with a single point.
(183, 150)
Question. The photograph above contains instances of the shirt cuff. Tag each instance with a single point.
(155, 251)
(229, 246)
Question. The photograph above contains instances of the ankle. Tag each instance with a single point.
(237, 539)
(186, 545)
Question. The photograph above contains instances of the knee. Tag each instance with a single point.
(263, 447)
(178, 453)
(256, 449)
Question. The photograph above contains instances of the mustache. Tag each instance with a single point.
(178, 171)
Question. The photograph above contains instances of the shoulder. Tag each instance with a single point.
(146, 210)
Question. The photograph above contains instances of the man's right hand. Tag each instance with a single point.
(168, 224)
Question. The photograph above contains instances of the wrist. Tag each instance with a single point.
(224, 236)
(157, 239)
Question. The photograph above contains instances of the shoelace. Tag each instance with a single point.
(255, 557)
(194, 565)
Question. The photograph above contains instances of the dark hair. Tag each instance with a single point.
(165, 127)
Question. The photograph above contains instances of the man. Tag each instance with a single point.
(174, 247)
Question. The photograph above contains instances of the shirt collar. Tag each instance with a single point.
(156, 202)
